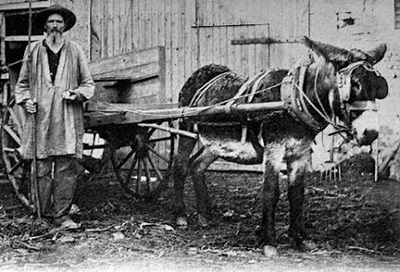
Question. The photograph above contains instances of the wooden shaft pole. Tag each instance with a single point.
(34, 184)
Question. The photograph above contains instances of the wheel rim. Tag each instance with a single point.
(17, 169)
(139, 171)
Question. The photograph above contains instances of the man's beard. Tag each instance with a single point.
(54, 34)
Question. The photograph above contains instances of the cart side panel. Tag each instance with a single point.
(136, 77)
(128, 81)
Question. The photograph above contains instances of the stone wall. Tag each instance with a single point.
(364, 24)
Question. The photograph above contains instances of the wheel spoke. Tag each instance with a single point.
(15, 167)
(130, 172)
(148, 174)
(15, 120)
(12, 134)
(139, 175)
(158, 172)
(163, 139)
(151, 131)
(116, 170)
(158, 154)
(127, 157)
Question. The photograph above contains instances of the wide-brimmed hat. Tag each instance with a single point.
(43, 15)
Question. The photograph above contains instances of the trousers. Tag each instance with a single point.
(57, 179)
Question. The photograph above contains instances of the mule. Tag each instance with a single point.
(330, 85)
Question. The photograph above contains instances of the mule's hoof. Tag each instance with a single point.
(308, 245)
(270, 251)
(202, 220)
(181, 222)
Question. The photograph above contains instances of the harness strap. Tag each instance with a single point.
(291, 93)
(206, 87)
(244, 89)
(249, 87)
(256, 84)
(344, 78)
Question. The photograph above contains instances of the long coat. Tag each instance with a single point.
(59, 124)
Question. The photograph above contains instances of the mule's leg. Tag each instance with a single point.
(197, 170)
(297, 171)
(270, 195)
(180, 172)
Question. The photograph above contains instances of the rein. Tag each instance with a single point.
(293, 93)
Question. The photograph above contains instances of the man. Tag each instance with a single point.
(53, 84)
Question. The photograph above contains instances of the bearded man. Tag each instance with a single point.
(54, 82)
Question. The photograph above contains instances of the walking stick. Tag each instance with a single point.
(34, 183)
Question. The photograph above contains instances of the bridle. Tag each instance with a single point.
(341, 106)
(343, 79)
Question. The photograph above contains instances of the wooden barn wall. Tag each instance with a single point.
(198, 32)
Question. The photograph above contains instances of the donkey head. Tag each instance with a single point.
(354, 87)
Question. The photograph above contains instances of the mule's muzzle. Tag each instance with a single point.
(367, 137)
(366, 125)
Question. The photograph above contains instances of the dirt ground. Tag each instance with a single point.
(355, 223)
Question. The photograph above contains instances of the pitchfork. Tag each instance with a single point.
(332, 171)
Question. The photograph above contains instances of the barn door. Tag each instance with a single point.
(249, 36)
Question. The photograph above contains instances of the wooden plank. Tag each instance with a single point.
(110, 28)
(104, 29)
(144, 92)
(119, 26)
(116, 26)
(151, 18)
(96, 29)
(162, 91)
(230, 58)
(244, 56)
(126, 60)
(168, 44)
(135, 73)
(190, 42)
(175, 45)
(135, 24)
(154, 5)
(181, 46)
(138, 116)
(113, 107)
(252, 54)
(25, 5)
(141, 25)
(2, 34)
(208, 42)
(23, 38)
(128, 27)
(161, 24)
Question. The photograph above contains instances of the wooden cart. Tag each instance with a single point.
(144, 131)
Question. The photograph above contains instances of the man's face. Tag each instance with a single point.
(55, 25)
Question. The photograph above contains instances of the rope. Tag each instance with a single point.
(182, 114)
(206, 86)
(335, 125)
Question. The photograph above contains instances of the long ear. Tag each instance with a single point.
(377, 53)
(338, 56)
(372, 56)
(342, 57)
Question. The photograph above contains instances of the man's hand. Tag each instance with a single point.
(30, 105)
(69, 95)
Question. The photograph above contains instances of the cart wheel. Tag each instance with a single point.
(144, 161)
(17, 169)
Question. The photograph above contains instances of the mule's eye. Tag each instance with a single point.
(355, 114)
